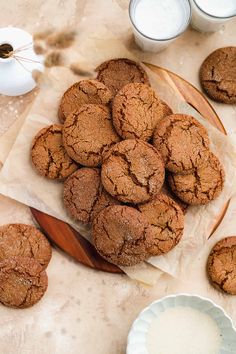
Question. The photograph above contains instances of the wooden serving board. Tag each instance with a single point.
(74, 244)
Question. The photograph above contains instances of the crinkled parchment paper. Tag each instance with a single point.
(18, 179)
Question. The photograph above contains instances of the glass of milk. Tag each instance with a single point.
(157, 23)
(211, 15)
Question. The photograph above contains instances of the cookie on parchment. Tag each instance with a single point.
(84, 195)
(218, 75)
(183, 143)
(24, 241)
(133, 171)
(23, 282)
(202, 186)
(82, 92)
(136, 110)
(49, 156)
(116, 73)
(121, 235)
(221, 265)
(88, 133)
(167, 223)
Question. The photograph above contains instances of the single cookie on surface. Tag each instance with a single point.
(116, 73)
(136, 110)
(167, 223)
(183, 143)
(167, 111)
(201, 186)
(84, 196)
(24, 241)
(133, 171)
(221, 265)
(23, 282)
(88, 133)
(218, 75)
(121, 235)
(82, 92)
(49, 155)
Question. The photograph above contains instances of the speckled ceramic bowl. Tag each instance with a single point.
(138, 333)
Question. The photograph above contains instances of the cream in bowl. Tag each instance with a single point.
(156, 23)
(180, 324)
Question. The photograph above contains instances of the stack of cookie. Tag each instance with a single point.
(24, 256)
(116, 140)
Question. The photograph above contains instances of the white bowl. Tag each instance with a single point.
(138, 333)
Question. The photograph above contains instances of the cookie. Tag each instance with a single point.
(201, 186)
(24, 241)
(167, 111)
(167, 191)
(82, 92)
(133, 171)
(88, 133)
(116, 73)
(49, 156)
(221, 265)
(167, 223)
(136, 110)
(218, 75)
(84, 196)
(183, 143)
(23, 282)
(121, 235)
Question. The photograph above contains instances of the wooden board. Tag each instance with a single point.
(75, 245)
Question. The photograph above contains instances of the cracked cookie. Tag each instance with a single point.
(167, 223)
(88, 133)
(82, 92)
(221, 265)
(133, 171)
(136, 110)
(49, 155)
(167, 191)
(84, 196)
(218, 75)
(23, 282)
(116, 73)
(183, 143)
(24, 241)
(201, 186)
(167, 111)
(121, 235)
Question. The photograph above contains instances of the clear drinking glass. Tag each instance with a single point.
(205, 22)
(153, 43)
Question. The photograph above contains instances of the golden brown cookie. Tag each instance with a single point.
(218, 75)
(133, 171)
(82, 92)
(136, 110)
(121, 235)
(167, 111)
(49, 156)
(183, 143)
(84, 196)
(23, 282)
(167, 223)
(116, 73)
(88, 133)
(201, 186)
(24, 241)
(167, 191)
(221, 265)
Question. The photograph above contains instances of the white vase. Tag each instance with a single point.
(16, 71)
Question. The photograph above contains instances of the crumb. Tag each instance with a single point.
(53, 59)
(62, 39)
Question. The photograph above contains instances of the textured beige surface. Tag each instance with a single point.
(85, 311)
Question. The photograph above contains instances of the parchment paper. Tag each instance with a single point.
(19, 180)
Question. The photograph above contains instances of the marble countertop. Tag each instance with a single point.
(86, 311)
